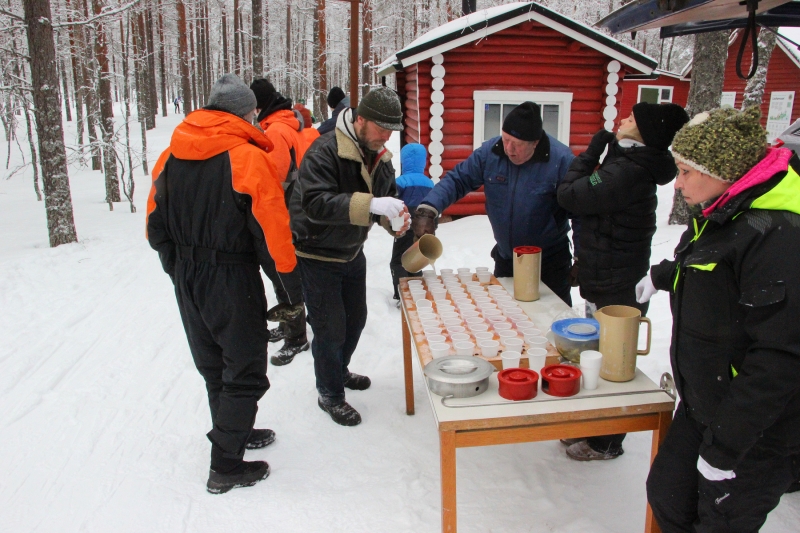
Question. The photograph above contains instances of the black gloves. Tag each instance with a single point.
(423, 222)
(599, 142)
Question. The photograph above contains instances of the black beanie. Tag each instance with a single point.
(268, 98)
(524, 122)
(335, 96)
(658, 123)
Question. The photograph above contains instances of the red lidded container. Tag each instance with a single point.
(518, 383)
(561, 380)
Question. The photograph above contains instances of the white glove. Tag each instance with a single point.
(711, 473)
(645, 289)
(386, 206)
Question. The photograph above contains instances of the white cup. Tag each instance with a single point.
(430, 323)
(479, 327)
(455, 329)
(415, 283)
(473, 320)
(537, 358)
(469, 313)
(463, 270)
(459, 337)
(502, 326)
(440, 349)
(489, 348)
(451, 322)
(429, 274)
(500, 297)
(463, 278)
(464, 347)
(512, 343)
(521, 322)
(435, 339)
(507, 334)
(446, 271)
(428, 314)
(483, 335)
(423, 304)
(439, 294)
(481, 269)
(590, 368)
(484, 277)
(510, 359)
(431, 330)
(448, 314)
(536, 341)
(397, 223)
(495, 319)
(487, 311)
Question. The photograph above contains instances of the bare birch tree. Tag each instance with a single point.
(754, 91)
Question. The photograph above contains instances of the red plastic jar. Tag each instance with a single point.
(561, 380)
(518, 383)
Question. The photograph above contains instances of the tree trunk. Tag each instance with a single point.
(320, 63)
(47, 106)
(151, 68)
(129, 184)
(32, 144)
(258, 40)
(754, 92)
(226, 66)
(705, 93)
(366, 47)
(63, 72)
(287, 69)
(183, 48)
(90, 87)
(77, 79)
(109, 148)
(161, 62)
(237, 62)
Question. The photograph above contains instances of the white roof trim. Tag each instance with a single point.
(792, 54)
(531, 15)
(387, 67)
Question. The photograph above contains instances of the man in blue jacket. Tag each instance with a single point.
(520, 172)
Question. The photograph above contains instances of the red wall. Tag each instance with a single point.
(630, 93)
(527, 57)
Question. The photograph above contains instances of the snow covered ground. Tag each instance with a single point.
(103, 415)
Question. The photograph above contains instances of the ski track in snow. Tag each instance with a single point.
(103, 413)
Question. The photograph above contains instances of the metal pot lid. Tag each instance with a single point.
(577, 329)
(459, 369)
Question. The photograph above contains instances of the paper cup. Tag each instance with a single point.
(469, 313)
(463, 270)
(489, 348)
(484, 277)
(431, 331)
(455, 329)
(430, 323)
(506, 334)
(495, 319)
(590, 368)
(483, 335)
(481, 269)
(435, 339)
(459, 337)
(465, 348)
(451, 322)
(479, 327)
(510, 359)
(440, 349)
(512, 343)
(397, 223)
(537, 358)
(423, 304)
(502, 326)
(536, 341)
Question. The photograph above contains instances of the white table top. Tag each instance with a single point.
(490, 405)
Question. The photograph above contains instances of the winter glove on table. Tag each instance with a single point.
(423, 222)
(386, 206)
(711, 473)
(645, 289)
(599, 142)
(573, 275)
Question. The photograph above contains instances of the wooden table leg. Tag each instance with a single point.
(659, 434)
(447, 451)
(407, 370)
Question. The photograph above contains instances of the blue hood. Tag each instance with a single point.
(413, 158)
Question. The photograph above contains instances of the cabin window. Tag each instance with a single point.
(492, 107)
(655, 95)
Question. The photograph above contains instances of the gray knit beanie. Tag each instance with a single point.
(230, 94)
(723, 143)
(382, 106)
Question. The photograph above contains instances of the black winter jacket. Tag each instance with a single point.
(329, 204)
(735, 297)
(330, 124)
(616, 210)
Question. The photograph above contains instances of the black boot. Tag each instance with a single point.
(287, 352)
(259, 438)
(276, 334)
(356, 382)
(247, 474)
(342, 413)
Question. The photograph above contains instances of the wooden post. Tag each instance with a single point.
(659, 434)
(447, 451)
(408, 372)
(354, 57)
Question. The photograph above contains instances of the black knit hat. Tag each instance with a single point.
(382, 106)
(335, 95)
(268, 98)
(524, 122)
(658, 123)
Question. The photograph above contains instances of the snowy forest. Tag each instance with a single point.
(142, 55)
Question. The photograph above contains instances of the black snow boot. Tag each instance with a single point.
(247, 474)
(259, 438)
(287, 352)
(356, 382)
(342, 413)
(276, 334)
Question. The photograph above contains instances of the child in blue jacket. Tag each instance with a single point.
(412, 186)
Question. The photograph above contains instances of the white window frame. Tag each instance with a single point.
(563, 100)
(660, 88)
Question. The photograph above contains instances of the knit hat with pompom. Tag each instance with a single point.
(723, 143)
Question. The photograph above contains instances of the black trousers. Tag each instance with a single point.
(401, 244)
(336, 298)
(684, 501)
(224, 313)
(288, 288)
(555, 271)
(627, 297)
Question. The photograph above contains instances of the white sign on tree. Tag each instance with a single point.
(780, 113)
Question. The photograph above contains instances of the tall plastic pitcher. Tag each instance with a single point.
(619, 339)
(527, 272)
(422, 253)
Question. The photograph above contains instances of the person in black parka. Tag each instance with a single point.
(616, 207)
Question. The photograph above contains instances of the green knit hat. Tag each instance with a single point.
(723, 143)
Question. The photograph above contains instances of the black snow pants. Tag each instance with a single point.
(224, 313)
(683, 501)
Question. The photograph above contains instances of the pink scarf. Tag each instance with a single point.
(776, 160)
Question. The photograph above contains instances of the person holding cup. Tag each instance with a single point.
(412, 186)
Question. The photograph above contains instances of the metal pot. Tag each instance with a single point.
(458, 376)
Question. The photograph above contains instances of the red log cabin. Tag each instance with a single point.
(458, 81)
(659, 87)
